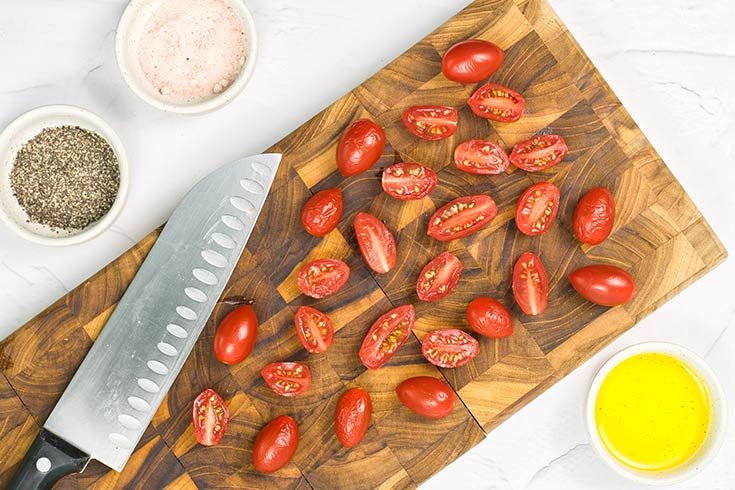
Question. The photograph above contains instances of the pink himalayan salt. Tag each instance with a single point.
(192, 49)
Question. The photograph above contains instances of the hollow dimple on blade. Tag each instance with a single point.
(122, 381)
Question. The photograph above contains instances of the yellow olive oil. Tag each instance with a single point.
(652, 412)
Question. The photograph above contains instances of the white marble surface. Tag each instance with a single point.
(672, 62)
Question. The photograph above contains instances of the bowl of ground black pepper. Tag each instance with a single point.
(63, 175)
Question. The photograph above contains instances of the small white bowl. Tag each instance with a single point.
(25, 127)
(718, 415)
(129, 31)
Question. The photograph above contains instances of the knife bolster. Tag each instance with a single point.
(48, 460)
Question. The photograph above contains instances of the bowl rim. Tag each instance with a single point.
(102, 129)
(135, 7)
(718, 406)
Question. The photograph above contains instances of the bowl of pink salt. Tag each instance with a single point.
(186, 56)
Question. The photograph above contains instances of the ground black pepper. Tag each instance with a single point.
(65, 177)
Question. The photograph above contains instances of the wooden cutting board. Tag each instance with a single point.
(659, 236)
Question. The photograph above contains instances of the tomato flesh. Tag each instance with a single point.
(461, 217)
(539, 153)
(322, 211)
(537, 208)
(275, 444)
(439, 277)
(427, 396)
(359, 147)
(604, 285)
(323, 277)
(408, 181)
(287, 378)
(594, 216)
(498, 103)
(489, 318)
(449, 348)
(481, 157)
(386, 336)
(352, 418)
(314, 328)
(211, 417)
(471, 61)
(431, 122)
(530, 284)
(377, 245)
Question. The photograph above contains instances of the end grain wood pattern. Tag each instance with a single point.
(659, 236)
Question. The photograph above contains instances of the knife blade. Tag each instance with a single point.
(117, 389)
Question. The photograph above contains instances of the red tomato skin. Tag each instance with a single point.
(322, 212)
(281, 384)
(594, 216)
(201, 402)
(481, 157)
(444, 265)
(471, 61)
(431, 130)
(408, 181)
(604, 285)
(427, 396)
(312, 323)
(489, 318)
(497, 103)
(383, 328)
(311, 279)
(359, 147)
(551, 195)
(552, 149)
(530, 284)
(235, 336)
(353, 415)
(445, 224)
(275, 444)
(440, 346)
(377, 245)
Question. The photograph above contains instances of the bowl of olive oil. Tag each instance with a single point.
(656, 413)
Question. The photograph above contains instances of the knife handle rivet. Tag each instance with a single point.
(43, 464)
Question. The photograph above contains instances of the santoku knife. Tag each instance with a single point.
(111, 399)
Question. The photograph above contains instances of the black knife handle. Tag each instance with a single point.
(48, 459)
